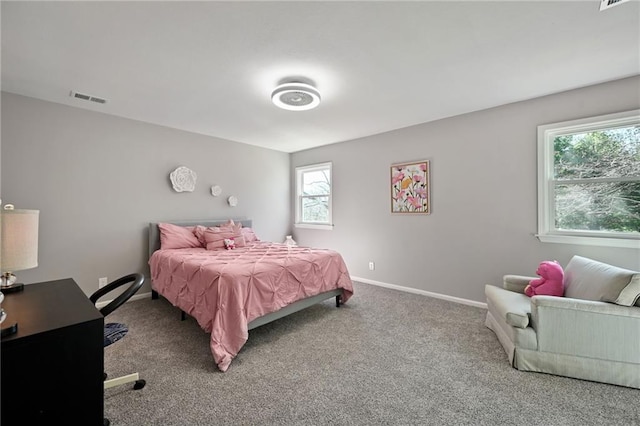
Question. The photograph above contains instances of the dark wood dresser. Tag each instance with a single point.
(51, 369)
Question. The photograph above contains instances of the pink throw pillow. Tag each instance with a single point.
(176, 237)
(198, 231)
(249, 235)
(215, 236)
(230, 224)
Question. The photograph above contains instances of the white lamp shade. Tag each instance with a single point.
(19, 239)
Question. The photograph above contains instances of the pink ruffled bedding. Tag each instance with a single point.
(224, 290)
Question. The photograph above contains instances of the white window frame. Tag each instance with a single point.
(546, 196)
(300, 171)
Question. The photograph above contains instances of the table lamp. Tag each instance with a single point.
(19, 250)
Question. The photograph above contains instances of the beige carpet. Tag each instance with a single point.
(386, 357)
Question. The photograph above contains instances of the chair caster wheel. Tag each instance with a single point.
(139, 384)
(105, 422)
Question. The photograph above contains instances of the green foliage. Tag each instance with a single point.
(611, 158)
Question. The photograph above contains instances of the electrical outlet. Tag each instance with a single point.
(102, 282)
(372, 266)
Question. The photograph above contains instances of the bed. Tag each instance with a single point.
(231, 291)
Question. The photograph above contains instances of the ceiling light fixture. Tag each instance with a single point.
(295, 96)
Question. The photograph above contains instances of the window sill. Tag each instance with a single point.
(589, 241)
(314, 226)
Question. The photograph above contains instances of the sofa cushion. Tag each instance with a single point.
(631, 293)
(589, 279)
(514, 308)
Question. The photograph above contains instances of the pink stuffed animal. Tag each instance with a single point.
(550, 282)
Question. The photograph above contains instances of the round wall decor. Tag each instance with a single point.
(183, 179)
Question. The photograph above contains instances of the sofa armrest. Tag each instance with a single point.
(586, 328)
(513, 308)
(516, 283)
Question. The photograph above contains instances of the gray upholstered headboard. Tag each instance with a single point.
(154, 232)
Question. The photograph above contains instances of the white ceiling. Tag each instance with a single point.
(209, 67)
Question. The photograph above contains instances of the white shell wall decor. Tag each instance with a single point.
(233, 201)
(183, 179)
(216, 190)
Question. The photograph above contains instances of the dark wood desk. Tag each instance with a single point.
(52, 368)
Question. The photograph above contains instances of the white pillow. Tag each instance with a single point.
(589, 279)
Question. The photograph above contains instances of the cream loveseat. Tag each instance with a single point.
(592, 333)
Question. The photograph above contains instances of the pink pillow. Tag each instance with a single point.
(231, 224)
(176, 237)
(249, 235)
(215, 236)
(198, 231)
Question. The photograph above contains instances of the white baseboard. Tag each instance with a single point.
(421, 292)
(134, 297)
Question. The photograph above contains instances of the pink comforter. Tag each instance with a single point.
(224, 290)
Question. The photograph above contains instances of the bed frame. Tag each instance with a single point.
(154, 244)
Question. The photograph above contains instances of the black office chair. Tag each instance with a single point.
(116, 331)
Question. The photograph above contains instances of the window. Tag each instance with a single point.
(589, 181)
(313, 196)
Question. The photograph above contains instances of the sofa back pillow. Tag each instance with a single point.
(176, 237)
(589, 279)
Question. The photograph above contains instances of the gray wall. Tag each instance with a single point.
(98, 180)
(484, 196)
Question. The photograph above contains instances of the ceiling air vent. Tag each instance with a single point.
(606, 4)
(87, 97)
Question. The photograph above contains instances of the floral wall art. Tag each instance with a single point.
(410, 188)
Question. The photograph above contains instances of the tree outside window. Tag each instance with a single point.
(589, 181)
(313, 195)
(597, 180)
